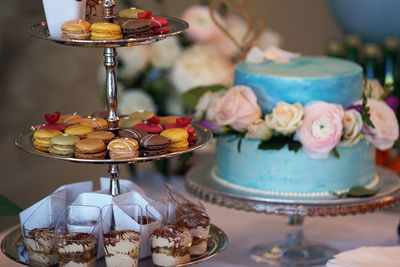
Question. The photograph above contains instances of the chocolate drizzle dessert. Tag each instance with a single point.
(170, 245)
(77, 249)
(199, 225)
(122, 248)
(41, 246)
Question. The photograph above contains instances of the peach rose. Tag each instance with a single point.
(386, 129)
(238, 108)
(321, 129)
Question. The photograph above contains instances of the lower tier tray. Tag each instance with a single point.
(201, 184)
(12, 246)
(24, 140)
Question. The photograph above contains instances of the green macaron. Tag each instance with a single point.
(63, 145)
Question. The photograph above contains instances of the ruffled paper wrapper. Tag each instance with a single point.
(367, 257)
(59, 11)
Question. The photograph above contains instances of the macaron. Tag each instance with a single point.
(53, 126)
(167, 120)
(100, 114)
(183, 123)
(142, 115)
(149, 127)
(63, 145)
(128, 122)
(104, 136)
(42, 138)
(76, 29)
(79, 130)
(69, 119)
(123, 148)
(128, 13)
(177, 139)
(105, 31)
(132, 133)
(137, 28)
(98, 124)
(160, 24)
(153, 145)
(90, 148)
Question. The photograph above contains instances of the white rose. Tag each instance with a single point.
(279, 55)
(207, 105)
(352, 126)
(164, 53)
(132, 100)
(373, 89)
(201, 65)
(259, 130)
(285, 118)
(134, 59)
(268, 39)
(255, 55)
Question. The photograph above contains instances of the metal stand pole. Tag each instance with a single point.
(114, 172)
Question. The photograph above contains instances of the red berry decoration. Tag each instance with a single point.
(52, 118)
(154, 120)
(144, 15)
(183, 121)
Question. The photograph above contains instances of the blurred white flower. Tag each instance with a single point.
(269, 39)
(164, 53)
(132, 100)
(255, 55)
(207, 105)
(202, 27)
(174, 105)
(279, 55)
(201, 65)
(134, 59)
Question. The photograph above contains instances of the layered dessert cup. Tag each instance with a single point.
(40, 243)
(122, 248)
(77, 250)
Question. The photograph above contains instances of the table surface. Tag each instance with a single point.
(245, 230)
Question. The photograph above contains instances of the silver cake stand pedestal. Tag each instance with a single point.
(295, 250)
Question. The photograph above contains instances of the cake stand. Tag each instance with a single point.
(24, 140)
(295, 250)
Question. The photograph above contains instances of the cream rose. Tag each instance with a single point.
(373, 89)
(352, 126)
(259, 130)
(321, 129)
(238, 108)
(207, 105)
(386, 129)
(285, 118)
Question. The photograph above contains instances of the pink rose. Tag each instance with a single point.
(321, 129)
(202, 27)
(238, 108)
(386, 129)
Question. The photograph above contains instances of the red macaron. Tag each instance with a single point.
(160, 24)
(151, 126)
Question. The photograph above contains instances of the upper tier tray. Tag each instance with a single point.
(176, 26)
(24, 141)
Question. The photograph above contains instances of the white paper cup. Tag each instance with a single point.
(59, 11)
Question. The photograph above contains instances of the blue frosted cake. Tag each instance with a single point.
(287, 172)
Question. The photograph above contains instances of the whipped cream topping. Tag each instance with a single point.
(76, 242)
(121, 242)
(171, 236)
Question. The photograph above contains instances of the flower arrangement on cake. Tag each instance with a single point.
(318, 127)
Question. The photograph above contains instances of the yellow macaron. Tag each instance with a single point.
(79, 130)
(177, 139)
(42, 138)
(105, 31)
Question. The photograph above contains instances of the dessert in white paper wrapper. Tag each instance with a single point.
(59, 11)
(77, 233)
(121, 217)
(38, 232)
(121, 226)
(170, 243)
(193, 216)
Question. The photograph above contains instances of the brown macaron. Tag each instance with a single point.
(90, 148)
(123, 148)
(153, 145)
(105, 136)
(69, 119)
(136, 134)
(137, 28)
(98, 124)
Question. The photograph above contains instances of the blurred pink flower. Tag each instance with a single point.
(321, 129)
(238, 108)
(202, 27)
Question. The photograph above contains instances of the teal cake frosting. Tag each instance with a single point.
(303, 79)
(292, 172)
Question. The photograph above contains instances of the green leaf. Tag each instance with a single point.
(365, 113)
(336, 153)
(271, 145)
(294, 146)
(241, 136)
(7, 207)
(361, 191)
(191, 97)
(278, 142)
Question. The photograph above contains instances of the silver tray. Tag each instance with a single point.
(176, 26)
(201, 184)
(24, 141)
(13, 247)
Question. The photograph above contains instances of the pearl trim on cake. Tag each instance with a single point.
(371, 185)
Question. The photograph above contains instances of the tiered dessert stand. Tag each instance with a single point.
(12, 243)
(295, 250)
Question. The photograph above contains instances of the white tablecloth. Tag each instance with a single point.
(245, 230)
